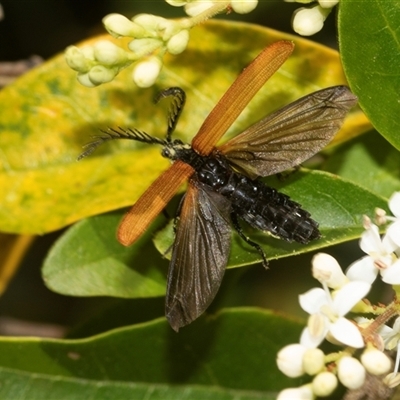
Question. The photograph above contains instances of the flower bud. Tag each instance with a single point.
(178, 42)
(324, 384)
(146, 72)
(313, 361)
(302, 393)
(328, 3)
(108, 53)
(150, 23)
(144, 46)
(351, 373)
(308, 21)
(83, 79)
(326, 269)
(290, 360)
(77, 60)
(197, 7)
(100, 74)
(176, 3)
(376, 362)
(243, 6)
(117, 25)
(392, 380)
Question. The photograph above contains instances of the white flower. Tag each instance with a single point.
(382, 218)
(327, 314)
(308, 21)
(393, 232)
(326, 269)
(363, 269)
(302, 393)
(391, 338)
(324, 384)
(394, 204)
(379, 249)
(375, 362)
(381, 256)
(351, 372)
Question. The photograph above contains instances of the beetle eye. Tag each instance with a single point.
(165, 153)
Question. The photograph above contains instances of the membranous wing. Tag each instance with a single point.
(290, 135)
(199, 256)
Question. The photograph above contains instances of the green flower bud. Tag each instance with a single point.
(324, 384)
(313, 361)
(117, 25)
(144, 46)
(100, 74)
(84, 80)
(108, 53)
(178, 42)
(77, 60)
(150, 23)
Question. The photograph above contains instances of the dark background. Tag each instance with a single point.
(46, 27)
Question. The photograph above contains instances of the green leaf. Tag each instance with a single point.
(214, 357)
(370, 49)
(48, 116)
(369, 161)
(17, 384)
(88, 260)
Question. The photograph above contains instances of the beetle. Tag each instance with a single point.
(224, 184)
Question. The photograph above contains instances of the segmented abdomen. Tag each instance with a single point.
(259, 205)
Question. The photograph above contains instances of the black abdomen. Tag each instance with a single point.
(259, 205)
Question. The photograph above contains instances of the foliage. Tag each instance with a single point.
(49, 116)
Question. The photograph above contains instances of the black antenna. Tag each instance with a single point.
(174, 112)
(121, 133)
(175, 108)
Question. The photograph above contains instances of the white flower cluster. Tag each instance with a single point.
(307, 21)
(152, 37)
(363, 341)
